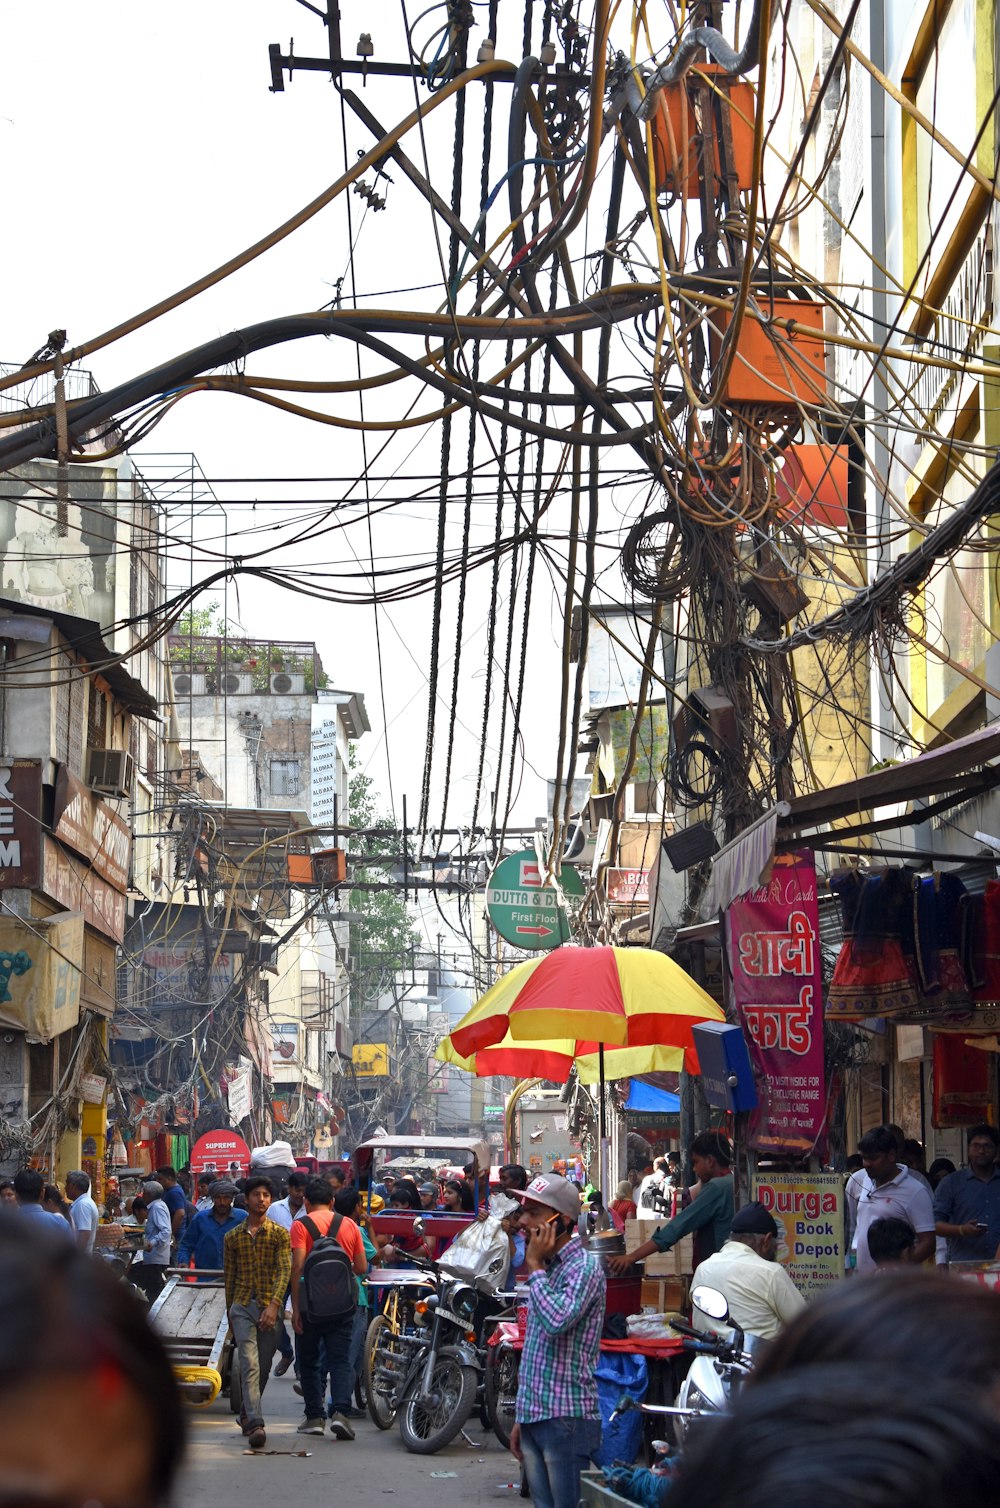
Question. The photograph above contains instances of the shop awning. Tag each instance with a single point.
(646, 1099)
(956, 772)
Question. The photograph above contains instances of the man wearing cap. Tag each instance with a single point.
(558, 1424)
(205, 1236)
(760, 1294)
(708, 1217)
(150, 1273)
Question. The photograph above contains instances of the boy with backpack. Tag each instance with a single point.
(327, 1252)
(256, 1262)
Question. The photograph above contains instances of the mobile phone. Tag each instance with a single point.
(981, 1225)
(553, 1218)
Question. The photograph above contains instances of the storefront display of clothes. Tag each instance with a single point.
(917, 949)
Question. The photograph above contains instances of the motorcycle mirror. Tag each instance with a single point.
(710, 1301)
(418, 1226)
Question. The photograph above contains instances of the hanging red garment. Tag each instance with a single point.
(961, 1082)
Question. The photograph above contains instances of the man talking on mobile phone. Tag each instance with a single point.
(558, 1424)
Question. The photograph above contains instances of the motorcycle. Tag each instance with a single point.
(721, 1365)
(439, 1370)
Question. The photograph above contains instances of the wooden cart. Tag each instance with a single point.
(191, 1320)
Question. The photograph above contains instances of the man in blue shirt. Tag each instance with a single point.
(175, 1200)
(205, 1236)
(29, 1185)
(967, 1203)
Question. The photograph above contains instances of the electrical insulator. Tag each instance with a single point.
(487, 51)
(366, 48)
(547, 54)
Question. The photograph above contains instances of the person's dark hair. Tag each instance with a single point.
(29, 1185)
(713, 1144)
(889, 1238)
(204, 1179)
(406, 1194)
(939, 1168)
(878, 1140)
(843, 1434)
(913, 1153)
(6, 1183)
(52, 1195)
(464, 1193)
(138, 1203)
(63, 1313)
(259, 1181)
(298, 1180)
(166, 1172)
(338, 1173)
(872, 1320)
(983, 1129)
(516, 1175)
(346, 1202)
(319, 1191)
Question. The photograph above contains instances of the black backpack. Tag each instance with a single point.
(329, 1290)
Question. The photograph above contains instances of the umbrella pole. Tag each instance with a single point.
(602, 1129)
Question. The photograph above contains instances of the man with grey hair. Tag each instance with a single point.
(149, 1275)
(83, 1215)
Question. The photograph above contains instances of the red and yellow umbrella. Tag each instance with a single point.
(624, 998)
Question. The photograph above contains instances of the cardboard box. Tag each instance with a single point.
(665, 1295)
(678, 1260)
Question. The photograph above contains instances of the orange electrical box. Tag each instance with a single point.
(775, 366)
(324, 866)
(300, 868)
(811, 485)
(676, 131)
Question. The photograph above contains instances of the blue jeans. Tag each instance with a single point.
(555, 1452)
(335, 1337)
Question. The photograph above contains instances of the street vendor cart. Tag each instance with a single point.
(190, 1318)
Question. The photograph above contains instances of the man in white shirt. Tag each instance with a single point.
(652, 1183)
(760, 1294)
(83, 1215)
(885, 1189)
(205, 1201)
(283, 1212)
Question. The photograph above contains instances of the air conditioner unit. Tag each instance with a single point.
(110, 771)
(187, 683)
(287, 685)
(233, 684)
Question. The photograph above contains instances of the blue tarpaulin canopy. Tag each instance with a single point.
(646, 1099)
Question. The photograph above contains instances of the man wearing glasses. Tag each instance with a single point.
(885, 1189)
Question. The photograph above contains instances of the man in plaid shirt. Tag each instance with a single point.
(257, 1259)
(558, 1424)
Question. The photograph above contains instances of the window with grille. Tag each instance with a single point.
(286, 778)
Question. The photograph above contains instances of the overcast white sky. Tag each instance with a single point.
(141, 147)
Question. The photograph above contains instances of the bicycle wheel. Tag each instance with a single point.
(384, 1361)
(500, 1385)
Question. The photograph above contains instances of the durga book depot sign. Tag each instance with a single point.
(772, 938)
(809, 1211)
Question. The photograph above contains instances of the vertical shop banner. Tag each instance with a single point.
(772, 936)
(809, 1210)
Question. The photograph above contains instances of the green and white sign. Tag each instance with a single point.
(523, 910)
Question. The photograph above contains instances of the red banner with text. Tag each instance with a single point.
(772, 935)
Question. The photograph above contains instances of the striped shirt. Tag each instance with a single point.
(565, 1316)
(258, 1266)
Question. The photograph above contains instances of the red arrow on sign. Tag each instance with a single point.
(540, 931)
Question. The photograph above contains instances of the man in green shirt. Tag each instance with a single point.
(708, 1217)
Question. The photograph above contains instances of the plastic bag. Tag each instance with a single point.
(618, 1372)
(481, 1252)
(278, 1155)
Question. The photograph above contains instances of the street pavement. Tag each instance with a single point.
(221, 1473)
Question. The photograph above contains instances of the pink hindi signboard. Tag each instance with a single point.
(773, 943)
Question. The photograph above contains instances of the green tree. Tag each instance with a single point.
(382, 942)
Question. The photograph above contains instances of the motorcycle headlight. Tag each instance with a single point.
(463, 1302)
